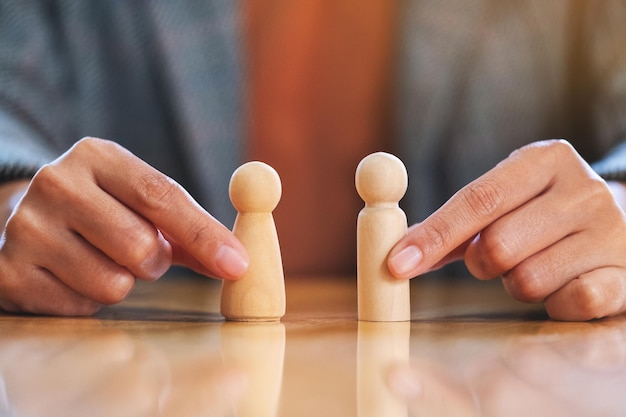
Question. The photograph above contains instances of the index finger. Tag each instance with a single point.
(168, 206)
(525, 174)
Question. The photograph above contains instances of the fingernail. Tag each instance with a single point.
(405, 261)
(231, 262)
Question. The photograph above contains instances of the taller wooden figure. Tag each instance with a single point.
(381, 181)
(255, 190)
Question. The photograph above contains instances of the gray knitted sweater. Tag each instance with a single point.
(475, 80)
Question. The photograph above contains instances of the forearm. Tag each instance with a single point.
(10, 194)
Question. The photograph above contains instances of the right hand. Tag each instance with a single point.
(94, 220)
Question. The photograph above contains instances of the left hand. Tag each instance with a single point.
(544, 221)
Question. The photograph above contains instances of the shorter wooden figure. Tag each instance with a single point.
(381, 181)
(255, 190)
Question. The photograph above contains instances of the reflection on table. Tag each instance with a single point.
(469, 351)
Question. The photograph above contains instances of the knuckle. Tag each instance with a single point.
(117, 288)
(23, 226)
(553, 152)
(139, 246)
(597, 195)
(560, 147)
(495, 247)
(483, 198)
(92, 145)
(145, 253)
(89, 148)
(590, 300)
(438, 234)
(20, 296)
(594, 300)
(49, 180)
(157, 191)
(52, 188)
(18, 224)
(561, 152)
(493, 255)
(556, 148)
(199, 233)
(525, 283)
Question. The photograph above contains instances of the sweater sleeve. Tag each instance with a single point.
(21, 154)
(613, 166)
(607, 62)
(33, 88)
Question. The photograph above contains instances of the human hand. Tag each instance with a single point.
(541, 219)
(94, 220)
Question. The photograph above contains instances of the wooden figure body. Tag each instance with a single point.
(381, 181)
(255, 191)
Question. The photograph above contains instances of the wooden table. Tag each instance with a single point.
(469, 351)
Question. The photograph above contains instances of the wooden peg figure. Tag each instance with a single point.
(381, 181)
(255, 190)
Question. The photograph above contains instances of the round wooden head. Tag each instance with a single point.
(255, 187)
(381, 178)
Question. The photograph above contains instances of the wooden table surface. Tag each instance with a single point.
(468, 351)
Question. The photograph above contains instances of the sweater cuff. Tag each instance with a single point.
(613, 166)
(17, 172)
(21, 152)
